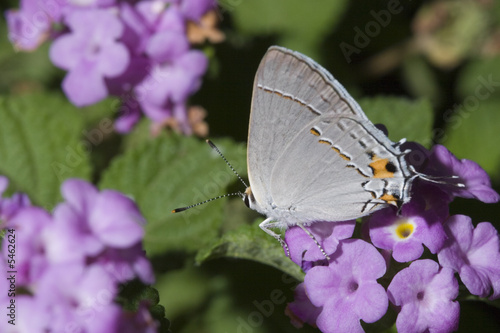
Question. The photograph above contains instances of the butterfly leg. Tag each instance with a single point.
(267, 224)
(315, 240)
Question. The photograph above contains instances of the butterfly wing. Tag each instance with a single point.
(289, 91)
(302, 124)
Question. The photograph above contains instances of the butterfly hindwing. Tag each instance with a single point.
(340, 171)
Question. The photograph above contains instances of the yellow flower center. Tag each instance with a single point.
(405, 229)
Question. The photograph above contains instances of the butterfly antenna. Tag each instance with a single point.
(177, 210)
(214, 147)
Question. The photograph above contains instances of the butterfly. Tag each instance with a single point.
(313, 155)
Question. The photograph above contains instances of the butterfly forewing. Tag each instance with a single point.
(282, 103)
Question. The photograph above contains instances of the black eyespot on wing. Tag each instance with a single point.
(391, 167)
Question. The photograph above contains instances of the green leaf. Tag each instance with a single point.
(250, 242)
(403, 118)
(169, 172)
(472, 133)
(40, 145)
(480, 80)
(421, 80)
(227, 296)
(100, 114)
(495, 303)
(300, 25)
(140, 134)
(183, 291)
(134, 293)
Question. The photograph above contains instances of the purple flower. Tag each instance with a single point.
(169, 41)
(114, 219)
(140, 321)
(69, 265)
(301, 310)
(31, 25)
(474, 253)
(173, 81)
(167, 46)
(129, 114)
(77, 297)
(152, 11)
(347, 289)
(195, 9)
(123, 84)
(90, 53)
(156, 21)
(163, 93)
(92, 3)
(107, 226)
(122, 48)
(157, 30)
(424, 292)
(136, 29)
(28, 224)
(129, 111)
(126, 264)
(10, 206)
(328, 234)
(477, 182)
(94, 220)
(406, 234)
(37, 320)
(68, 297)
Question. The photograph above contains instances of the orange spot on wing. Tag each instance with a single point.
(324, 142)
(390, 199)
(314, 132)
(379, 167)
(345, 157)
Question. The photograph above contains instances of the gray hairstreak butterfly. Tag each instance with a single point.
(313, 155)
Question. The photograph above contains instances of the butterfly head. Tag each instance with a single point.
(249, 199)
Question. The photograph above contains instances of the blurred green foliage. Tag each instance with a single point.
(40, 145)
(429, 71)
(404, 118)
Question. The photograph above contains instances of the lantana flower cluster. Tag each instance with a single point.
(388, 265)
(139, 51)
(70, 264)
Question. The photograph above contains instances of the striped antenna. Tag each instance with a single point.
(177, 210)
(214, 147)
